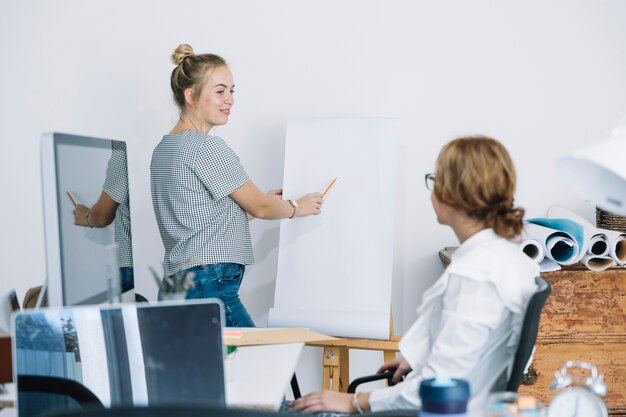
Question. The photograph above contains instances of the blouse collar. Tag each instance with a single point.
(476, 239)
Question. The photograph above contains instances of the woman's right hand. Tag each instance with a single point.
(80, 215)
(310, 204)
(400, 364)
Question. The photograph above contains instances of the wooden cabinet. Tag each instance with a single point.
(583, 319)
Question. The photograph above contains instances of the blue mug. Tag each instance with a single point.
(443, 396)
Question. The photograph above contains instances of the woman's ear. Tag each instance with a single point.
(441, 209)
(189, 96)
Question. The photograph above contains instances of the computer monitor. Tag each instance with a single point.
(169, 353)
(85, 265)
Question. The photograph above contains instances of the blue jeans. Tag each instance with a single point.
(221, 281)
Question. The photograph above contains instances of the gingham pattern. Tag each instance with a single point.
(116, 186)
(191, 177)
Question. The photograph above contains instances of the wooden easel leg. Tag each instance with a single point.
(344, 370)
(329, 366)
(336, 363)
(388, 355)
(336, 369)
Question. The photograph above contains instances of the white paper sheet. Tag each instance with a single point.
(341, 260)
(258, 376)
(366, 325)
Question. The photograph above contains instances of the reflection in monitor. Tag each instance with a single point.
(86, 265)
(123, 355)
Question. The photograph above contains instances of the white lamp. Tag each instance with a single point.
(598, 172)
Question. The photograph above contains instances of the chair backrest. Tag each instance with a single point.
(59, 386)
(528, 336)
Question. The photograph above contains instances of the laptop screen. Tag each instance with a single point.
(168, 353)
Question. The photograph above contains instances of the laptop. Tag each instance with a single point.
(121, 355)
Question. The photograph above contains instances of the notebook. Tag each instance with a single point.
(128, 354)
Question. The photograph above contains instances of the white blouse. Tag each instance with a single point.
(468, 323)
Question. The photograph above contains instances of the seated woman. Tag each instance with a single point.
(469, 321)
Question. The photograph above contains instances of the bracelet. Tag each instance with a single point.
(355, 403)
(88, 213)
(294, 206)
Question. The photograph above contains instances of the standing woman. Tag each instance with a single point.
(202, 196)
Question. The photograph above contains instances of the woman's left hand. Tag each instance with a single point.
(324, 401)
(276, 192)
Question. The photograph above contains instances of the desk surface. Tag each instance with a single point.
(253, 336)
(366, 344)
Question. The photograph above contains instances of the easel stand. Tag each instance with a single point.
(336, 359)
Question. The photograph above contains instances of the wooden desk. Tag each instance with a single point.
(584, 319)
(336, 358)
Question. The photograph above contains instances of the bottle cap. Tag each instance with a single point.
(444, 395)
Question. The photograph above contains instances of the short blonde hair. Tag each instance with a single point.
(191, 72)
(475, 174)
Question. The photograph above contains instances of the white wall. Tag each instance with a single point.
(543, 76)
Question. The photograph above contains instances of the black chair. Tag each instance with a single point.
(140, 298)
(528, 337)
(58, 386)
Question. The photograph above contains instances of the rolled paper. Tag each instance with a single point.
(566, 243)
(598, 245)
(548, 265)
(533, 249)
(615, 240)
(617, 245)
(598, 263)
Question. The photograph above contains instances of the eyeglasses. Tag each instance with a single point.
(429, 179)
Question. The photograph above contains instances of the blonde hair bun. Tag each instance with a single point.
(183, 51)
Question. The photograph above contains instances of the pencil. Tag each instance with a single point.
(70, 196)
(328, 188)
